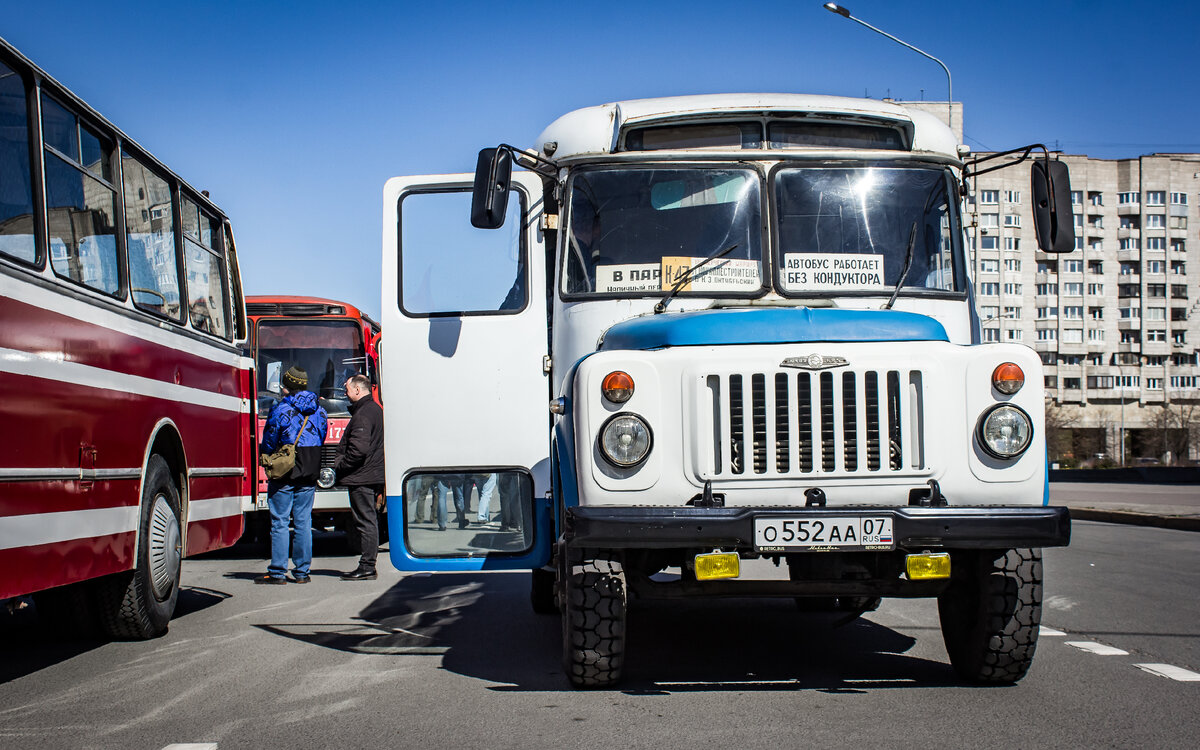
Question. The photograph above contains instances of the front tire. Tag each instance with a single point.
(991, 613)
(138, 604)
(593, 619)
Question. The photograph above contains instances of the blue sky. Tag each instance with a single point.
(293, 114)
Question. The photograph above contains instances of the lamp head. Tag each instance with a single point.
(835, 8)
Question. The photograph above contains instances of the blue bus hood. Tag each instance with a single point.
(776, 325)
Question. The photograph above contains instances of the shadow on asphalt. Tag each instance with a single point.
(482, 626)
(27, 645)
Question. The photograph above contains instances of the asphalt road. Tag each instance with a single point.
(457, 660)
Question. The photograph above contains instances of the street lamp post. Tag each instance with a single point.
(845, 13)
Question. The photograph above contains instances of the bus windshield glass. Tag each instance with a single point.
(633, 232)
(330, 351)
(848, 231)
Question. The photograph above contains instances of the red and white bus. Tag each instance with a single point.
(329, 340)
(126, 432)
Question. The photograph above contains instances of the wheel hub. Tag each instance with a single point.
(165, 548)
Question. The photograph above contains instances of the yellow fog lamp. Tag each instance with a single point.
(712, 566)
(927, 566)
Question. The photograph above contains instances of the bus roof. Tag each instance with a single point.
(299, 306)
(597, 131)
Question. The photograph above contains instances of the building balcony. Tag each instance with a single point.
(1071, 348)
(1129, 324)
(1124, 233)
(1044, 300)
(1045, 346)
(1175, 210)
(1126, 209)
(1131, 255)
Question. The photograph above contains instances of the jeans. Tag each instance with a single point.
(486, 490)
(295, 503)
(460, 485)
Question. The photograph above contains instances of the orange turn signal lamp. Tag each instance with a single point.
(1008, 378)
(617, 387)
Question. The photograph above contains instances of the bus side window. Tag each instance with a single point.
(16, 191)
(150, 238)
(81, 203)
(205, 272)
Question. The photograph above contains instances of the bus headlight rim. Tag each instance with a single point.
(636, 432)
(988, 425)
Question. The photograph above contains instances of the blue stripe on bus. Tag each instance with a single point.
(771, 326)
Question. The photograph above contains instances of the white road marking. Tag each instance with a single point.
(1046, 631)
(192, 746)
(1171, 672)
(1096, 648)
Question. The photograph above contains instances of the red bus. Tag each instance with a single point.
(126, 438)
(329, 340)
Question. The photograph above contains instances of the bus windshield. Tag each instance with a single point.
(330, 351)
(634, 231)
(848, 230)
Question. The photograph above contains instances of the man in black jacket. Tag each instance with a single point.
(359, 468)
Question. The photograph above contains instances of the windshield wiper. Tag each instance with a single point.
(687, 276)
(908, 256)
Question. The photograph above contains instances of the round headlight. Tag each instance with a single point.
(326, 478)
(617, 387)
(625, 440)
(1005, 431)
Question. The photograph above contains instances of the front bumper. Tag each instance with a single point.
(913, 527)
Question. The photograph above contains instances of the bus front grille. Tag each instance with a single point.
(787, 423)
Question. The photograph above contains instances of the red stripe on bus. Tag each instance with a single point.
(43, 566)
(87, 343)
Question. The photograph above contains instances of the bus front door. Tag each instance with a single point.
(467, 420)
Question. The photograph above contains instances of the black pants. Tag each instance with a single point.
(366, 523)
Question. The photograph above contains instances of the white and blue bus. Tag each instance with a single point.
(703, 330)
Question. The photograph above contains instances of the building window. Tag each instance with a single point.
(1129, 268)
(1178, 268)
(1130, 243)
(1096, 221)
(1178, 199)
(1073, 266)
(1129, 290)
(1012, 243)
(1156, 290)
(1179, 337)
(1047, 266)
(1156, 243)
(1012, 288)
(1178, 246)
(1154, 384)
(1095, 266)
(989, 196)
(1096, 199)
(1050, 381)
(1073, 312)
(987, 312)
(1078, 221)
(1072, 336)
(1096, 290)
(1071, 383)
(989, 289)
(1013, 334)
(1012, 313)
(1155, 221)
(1096, 313)
(1125, 199)
(1130, 313)
(991, 334)
(1076, 197)
(987, 243)
(1156, 360)
(1045, 290)
(989, 220)
(1073, 288)
(1179, 291)
(1131, 337)
(1012, 220)
(1178, 314)
(989, 265)
(1012, 264)
(1096, 334)
(1156, 197)
(1179, 382)
(1047, 334)
(1047, 313)
(1156, 314)
(1012, 196)
(1177, 222)
(1156, 335)
(1156, 266)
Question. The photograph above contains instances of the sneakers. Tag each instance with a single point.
(360, 574)
(300, 579)
(273, 581)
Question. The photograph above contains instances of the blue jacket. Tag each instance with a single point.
(282, 427)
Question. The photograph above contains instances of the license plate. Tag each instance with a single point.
(823, 533)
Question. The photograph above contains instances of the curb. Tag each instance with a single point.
(1180, 523)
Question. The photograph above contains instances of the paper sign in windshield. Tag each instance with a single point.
(628, 277)
(832, 272)
(720, 275)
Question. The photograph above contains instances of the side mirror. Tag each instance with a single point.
(489, 198)
(1052, 216)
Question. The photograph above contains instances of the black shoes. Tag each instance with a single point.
(300, 579)
(273, 581)
(360, 574)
